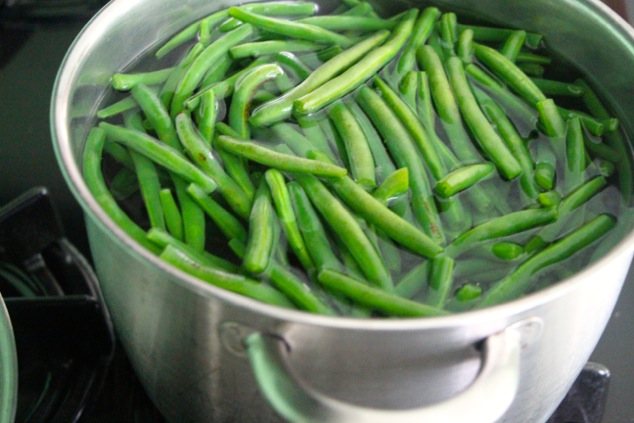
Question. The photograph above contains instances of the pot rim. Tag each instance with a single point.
(72, 173)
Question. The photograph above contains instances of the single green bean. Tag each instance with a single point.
(519, 281)
(545, 166)
(124, 184)
(594, 126)
(348, 231)
(286, 214)
(316, 136)
(216, 72)
(123, 105)
(356, 145)
(261, 232)
(462, 178)
(448, 31)
(414, 281)
(207, 115)
(575, 156)
(293, 64)
(422, 29)
(262, 48)
(173, 217)
(231, 282)
(530, 57)
(532, 70)
(499, 227)
(513, 45)
(97, 186)
(507, 250)
(506, 70)
(464, 46)
(125, 81)
(160, 153)
(196, 71)
(549, 198)
(292, 29)
(236, 167)
(348, 22)
(468, 292)
(276, 160)
(243, 93)
(280, 109)
(193, 216)
(408, 88)
(358, 73)
(487, 137)
(394, 185)
(440, 282)
(553, 123)
(298, 143)
(157, 114)
(385, 302)
(558, 88)
(404, 152)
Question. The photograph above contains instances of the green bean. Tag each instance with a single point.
(414, 127)
(507, 250)
(532, 70)
(148, 180)
(244, 90)
(356, 146)
(499, 227)
(160, 153)
(446, 105)
(513, 76)
(235, 166)
(602, 150)
(226, 222)
(464, 46)
(190, 32)
(276, 160)
(125, 81)
(172, 215)
(462, 178)
(385, 302)
(440, 281)
(312, 231)
(518, 281)
(557, 88)
(468, 292)
(394, 185)
(545, 166)
(281, 109)
(294, 64)
(488, 139)
(292, 29)
(491, 34)
(422, 29)
(448, 30)
(231, 282)
(261, 232)
(193, 216)
(262, 48)
(348, 231)
(348, 22)
(404, 152)
(358, 73)
(515, 143)
(414, 281)
(408, 88)
(207, 115)
(196, 71)
(163, 239)
(158, 116)
(123, 105)
(575, 156)
(299, 144)
(550, 118)
(284, 207)
(549, 198)
(513, 45)
(124, 184)
(97, 186)
(383, 162)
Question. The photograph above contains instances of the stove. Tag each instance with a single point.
(52, 285)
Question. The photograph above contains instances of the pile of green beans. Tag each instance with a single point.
(348, 163)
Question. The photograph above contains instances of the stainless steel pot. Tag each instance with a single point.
(204, 354)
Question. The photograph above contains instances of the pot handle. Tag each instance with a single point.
(484, 401)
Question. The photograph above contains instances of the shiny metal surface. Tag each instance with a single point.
(184, 337)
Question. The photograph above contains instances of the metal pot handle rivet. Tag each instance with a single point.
(484, 401)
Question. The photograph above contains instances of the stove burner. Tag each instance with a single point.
(63, 334)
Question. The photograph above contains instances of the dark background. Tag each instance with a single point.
(31, 51)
